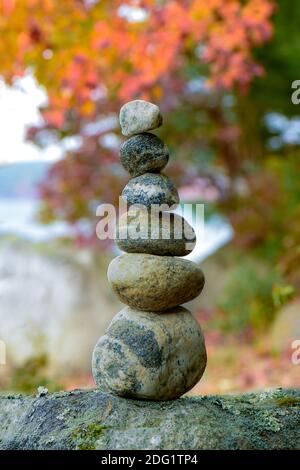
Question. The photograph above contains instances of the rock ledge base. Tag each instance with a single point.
(91, 419)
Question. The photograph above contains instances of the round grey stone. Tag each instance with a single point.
(144, 153)
(139, 116)
(149, 189)
(162, 233)
(149, 356)
(154, 283)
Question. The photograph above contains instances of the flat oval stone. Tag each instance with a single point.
(150, 356)
(144, 153)
(154, 283)
(149, 189)
(139, 116)
(163, 233)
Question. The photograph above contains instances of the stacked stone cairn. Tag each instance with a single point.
(154, 348)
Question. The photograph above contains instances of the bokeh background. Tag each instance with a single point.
(223, 74)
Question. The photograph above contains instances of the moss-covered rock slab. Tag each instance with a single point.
(91, 419)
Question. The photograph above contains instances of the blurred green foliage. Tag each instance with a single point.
(265, 210)
(247, 300)
(281, 62)
(31, 375)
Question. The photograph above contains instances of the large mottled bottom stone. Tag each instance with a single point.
(145, 355)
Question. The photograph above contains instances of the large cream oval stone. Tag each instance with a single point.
(154, 283)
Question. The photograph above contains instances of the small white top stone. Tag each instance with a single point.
(139, 116)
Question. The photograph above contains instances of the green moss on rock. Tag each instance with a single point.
(288, 401)
(86, 437)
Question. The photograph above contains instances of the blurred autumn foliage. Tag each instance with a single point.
(92, 56)
(217, 69)
(81, 49)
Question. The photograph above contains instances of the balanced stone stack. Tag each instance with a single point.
(154, 348)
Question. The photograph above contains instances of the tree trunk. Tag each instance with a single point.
(91, 419)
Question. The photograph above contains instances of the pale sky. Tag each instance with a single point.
(18, 109)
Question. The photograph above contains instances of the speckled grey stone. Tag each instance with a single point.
(144, 153)
(163, 233)
(145, 355)
(139, 116)
(149, 189)
(154, 283)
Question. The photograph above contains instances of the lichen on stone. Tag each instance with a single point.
(86, 437)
